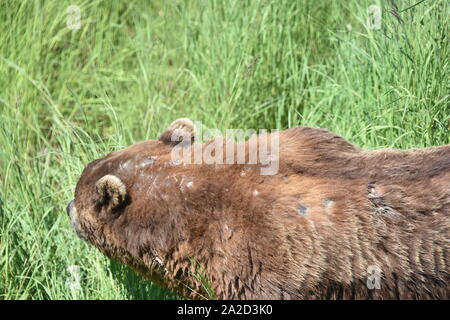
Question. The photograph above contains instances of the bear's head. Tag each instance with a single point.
(176, 220)
(109, 211)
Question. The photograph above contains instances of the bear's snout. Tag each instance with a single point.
(73, 215)
(69, 207)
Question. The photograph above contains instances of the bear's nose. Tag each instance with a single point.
(69, 207)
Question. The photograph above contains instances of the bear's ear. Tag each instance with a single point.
(112, 189)
(182, 129)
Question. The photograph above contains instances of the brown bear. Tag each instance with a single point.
(333, 222)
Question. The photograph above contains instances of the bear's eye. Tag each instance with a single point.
(110, 189)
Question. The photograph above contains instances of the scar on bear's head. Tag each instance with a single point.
(182, 129)
(328, 203)
(302, 209)
(148, 161)
(111, 188)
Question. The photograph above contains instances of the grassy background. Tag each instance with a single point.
(68, 97)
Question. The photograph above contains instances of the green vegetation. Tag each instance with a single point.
(70, 96)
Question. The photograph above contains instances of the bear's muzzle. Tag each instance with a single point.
(73, 215)
(69, 207)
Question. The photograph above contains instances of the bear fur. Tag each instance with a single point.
(319, 228)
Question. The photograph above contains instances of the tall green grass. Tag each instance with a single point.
(70, 96)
